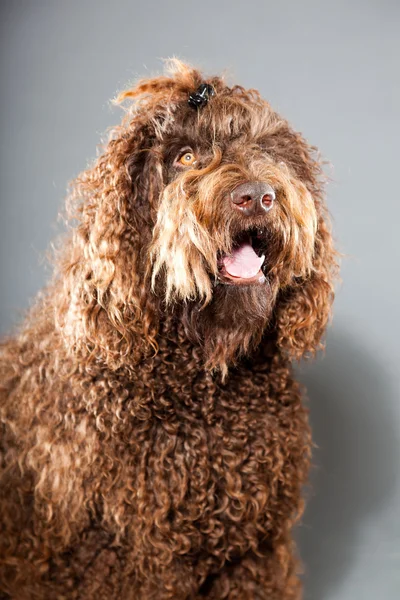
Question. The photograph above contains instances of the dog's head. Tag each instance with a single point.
(205, 204)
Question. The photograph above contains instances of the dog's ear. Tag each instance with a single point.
(108, 309)
(303, 308)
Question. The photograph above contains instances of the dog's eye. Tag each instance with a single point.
(187, 159)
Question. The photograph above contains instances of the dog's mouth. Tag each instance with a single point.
(245, 264)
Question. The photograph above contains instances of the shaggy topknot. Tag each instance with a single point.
(154, 443)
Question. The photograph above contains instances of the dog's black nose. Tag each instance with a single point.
(253, 198)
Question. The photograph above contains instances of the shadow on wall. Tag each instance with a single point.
(354, 463)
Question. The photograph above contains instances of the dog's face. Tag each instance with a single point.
(230, 213)
(225, 203)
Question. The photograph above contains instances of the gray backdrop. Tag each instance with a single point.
(333, 70)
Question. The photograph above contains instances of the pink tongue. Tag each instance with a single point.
(243, 262)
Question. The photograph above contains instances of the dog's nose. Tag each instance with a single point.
(253, 198)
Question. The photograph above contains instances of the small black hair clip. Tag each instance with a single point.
(201, 96)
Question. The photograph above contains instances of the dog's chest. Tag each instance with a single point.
(207, 478)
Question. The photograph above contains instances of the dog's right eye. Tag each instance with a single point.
(186, 159)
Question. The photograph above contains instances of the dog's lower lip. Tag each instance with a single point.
(225, 277)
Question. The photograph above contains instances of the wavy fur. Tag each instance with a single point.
(154, 442)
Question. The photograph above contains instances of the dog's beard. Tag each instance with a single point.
(232, 324)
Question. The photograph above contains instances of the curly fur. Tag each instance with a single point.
(154, 442)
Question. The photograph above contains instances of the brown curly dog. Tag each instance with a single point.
(154, 442)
